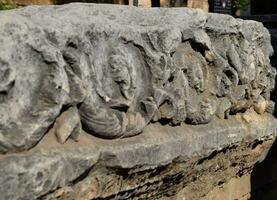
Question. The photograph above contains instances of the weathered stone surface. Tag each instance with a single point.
(160, 162)
(68, 125)
(195, 85)
(125, 68)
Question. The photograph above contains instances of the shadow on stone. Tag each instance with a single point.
(264, 177)
(273, 59)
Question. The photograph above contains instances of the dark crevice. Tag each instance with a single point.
(210, 157)
(139, 192)
(7, 89)
(82, 176)
(164, 121)
(121, 108)
(4, 93)
(171, 78)
(198, 47)
(256, 143)
(63, 109)
(215, 153)
(220, 183)
(124, 173)
(72, 45)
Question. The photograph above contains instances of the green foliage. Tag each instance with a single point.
(241, 4)
(4, 5)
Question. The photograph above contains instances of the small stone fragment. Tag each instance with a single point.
(261, 105)
(223, 108)
(250, 115)
(68, 125)
(270, 107)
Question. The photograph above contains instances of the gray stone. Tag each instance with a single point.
(195, 85)
(124, 67)
(67, 125)
(145, 164)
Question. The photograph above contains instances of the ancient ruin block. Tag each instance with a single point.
(125, 68)
(189, 81)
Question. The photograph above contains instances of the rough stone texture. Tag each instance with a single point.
(195, 85)
(68, 125)
(125, 68)
(160, 162)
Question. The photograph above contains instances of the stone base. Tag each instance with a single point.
(183, 162)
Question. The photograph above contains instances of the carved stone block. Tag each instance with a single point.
(180, 83)
(125, 68)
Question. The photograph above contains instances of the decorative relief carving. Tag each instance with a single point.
(122, 79)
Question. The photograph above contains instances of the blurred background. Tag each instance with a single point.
(232, 7)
